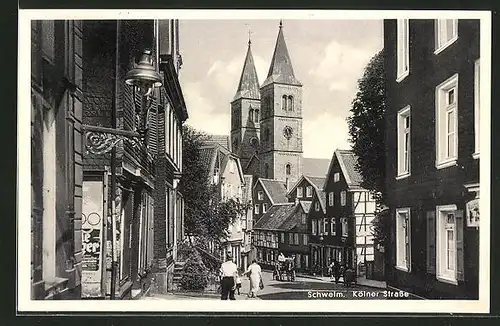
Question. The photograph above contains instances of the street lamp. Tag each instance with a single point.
(101, 140)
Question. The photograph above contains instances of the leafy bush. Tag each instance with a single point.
(194, 274)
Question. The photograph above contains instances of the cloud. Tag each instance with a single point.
(324, 134)
(202, 112)
(340, 65)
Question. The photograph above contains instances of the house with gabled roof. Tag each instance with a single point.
(345, 233)
(305, 187)
(266, 193)
(226, 174)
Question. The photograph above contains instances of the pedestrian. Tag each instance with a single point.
(228, 274)
(238, 281)
(336, 270)
(254, 272)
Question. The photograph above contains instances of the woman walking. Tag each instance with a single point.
(254, 272)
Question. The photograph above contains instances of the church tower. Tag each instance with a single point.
(281, 118)
(245, 113)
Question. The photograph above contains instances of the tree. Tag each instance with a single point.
(367, 127)
(207, 216)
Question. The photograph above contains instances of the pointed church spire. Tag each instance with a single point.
(249, 82)
(281, 70)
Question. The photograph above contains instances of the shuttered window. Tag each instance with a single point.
(449, 244)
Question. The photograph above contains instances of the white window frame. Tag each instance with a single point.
(290, 238)
(264, 208)
(403, 240)
(442, 227)
(404, 149)
(333, 230)
(330, 199)
(345, 227)
(282, 237)
(403, 49)
(256, 209)
(305, 239)
(477, 107)
(442, 132)
(343, 198)
(309, 191)
(296, 238)
(314, 227)
(300, 192)
(336, 177)
(260, 195)
(439, 28)
(316, 207)
(325, 226)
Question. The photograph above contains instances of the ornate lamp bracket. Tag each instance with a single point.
(101, 140)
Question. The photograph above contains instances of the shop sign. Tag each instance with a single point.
(472, 209)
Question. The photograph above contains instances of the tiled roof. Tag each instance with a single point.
(249, 82)
(281, 70)
(276, 190)
(306, 205)
(322, 199)
(348, 160)
(319, 182)
(207, 155)
(317, 167)
(294, 222)
(222, 140)
(275, 216)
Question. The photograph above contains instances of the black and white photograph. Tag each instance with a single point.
(294, 157)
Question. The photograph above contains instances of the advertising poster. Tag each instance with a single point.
(92, 222)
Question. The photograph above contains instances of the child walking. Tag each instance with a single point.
(238, 281)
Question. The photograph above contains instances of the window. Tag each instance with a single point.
(333, 230)
(304, 218)
(477, 105)
(256, 116)
(288, 169)
(316, 207)
(403, 49)
(256, 209)
(264, 207)
(296, 238)
(299, 192)
(290, 103)
(284, 103)
(336, 177)
(250, 115)
(321, 227)
(282, 237)
(260, 195)
(345, 230)
(305, 239)
(314, 227)
(404, 142)
(403, 238)
(449, 251)
(290, 238)
(343, 196)
(446, 31)
(446, 123)
(330, 199)
(309, 191)
(325, 225)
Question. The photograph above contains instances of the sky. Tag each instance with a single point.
(328, 57)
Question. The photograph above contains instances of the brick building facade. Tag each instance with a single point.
(56, 151)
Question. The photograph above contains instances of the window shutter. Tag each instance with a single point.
(459, 220)
(431, 242)
(408, 240)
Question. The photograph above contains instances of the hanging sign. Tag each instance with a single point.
(472, 209)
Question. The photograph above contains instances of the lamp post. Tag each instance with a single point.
(101, 140)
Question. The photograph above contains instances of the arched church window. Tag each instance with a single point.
(251, 115)
(283, 103)
(288, 169)
(288, 132)
(290, 103)
(256, 116)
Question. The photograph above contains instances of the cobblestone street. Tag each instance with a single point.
(304, 288)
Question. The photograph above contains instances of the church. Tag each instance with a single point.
(266, 121)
